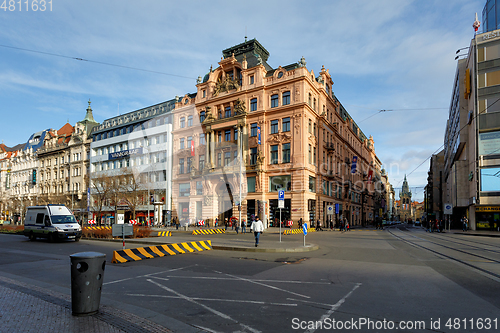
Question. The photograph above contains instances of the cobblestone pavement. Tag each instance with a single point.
(28, 308)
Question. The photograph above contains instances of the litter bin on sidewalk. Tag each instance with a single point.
(87, 273)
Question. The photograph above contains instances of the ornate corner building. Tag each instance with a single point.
(264, 129)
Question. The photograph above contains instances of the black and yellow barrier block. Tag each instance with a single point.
(297, 231)
(164, 233)
(150, 252)
(208, 231)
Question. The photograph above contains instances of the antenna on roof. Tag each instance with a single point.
(245, 33)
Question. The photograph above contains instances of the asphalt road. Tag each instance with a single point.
(379, 278)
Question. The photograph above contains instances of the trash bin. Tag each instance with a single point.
(87, 272)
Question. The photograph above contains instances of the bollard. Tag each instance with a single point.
(87, 273)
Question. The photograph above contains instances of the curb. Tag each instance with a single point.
(151, 252)
(307, 248)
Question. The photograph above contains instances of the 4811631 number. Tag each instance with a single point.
(26, 5)
(472, 324)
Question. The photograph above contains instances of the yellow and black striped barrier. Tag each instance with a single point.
(297, 231)
(208, 231)
(164, 233)
(150, 252)
(97, 228)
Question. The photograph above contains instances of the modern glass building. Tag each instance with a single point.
(491, 16)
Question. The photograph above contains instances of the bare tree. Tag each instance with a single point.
(102, 188)
(132, 189)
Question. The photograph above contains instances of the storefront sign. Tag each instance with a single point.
(125, 153)
(487, 208)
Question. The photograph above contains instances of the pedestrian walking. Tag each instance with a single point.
(464, 223)
(237, 225)
(226, 223)
(257, 227)
(243, 227)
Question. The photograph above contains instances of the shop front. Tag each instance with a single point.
(488, 218)
(274, 212)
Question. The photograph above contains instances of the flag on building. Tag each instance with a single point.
(353, 165)
(370, 176)
(192, 147)
(258, 135)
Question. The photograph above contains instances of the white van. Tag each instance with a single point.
(52, 222)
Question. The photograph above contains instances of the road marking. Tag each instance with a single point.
(217, 300)
(267, 285)
(147, 275)
(189, 299)
(335, 307)
(233, 279)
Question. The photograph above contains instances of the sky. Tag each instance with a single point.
(394, 55)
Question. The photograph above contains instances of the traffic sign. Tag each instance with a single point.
(304, 228)
(281, 204)
(281, 195)
(329, 210)
(337, 208)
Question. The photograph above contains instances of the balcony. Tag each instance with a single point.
(329, 146)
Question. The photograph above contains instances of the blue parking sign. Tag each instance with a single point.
(281, 194)
(304, 227)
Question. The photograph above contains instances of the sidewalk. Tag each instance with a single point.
(25, 307)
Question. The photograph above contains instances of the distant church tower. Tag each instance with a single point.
(405, 199)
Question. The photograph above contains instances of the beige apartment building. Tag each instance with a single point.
(252, 130)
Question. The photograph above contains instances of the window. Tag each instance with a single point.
(310, 154)
(253, 156)
(189, 164)
(252, 79)
(204, 93)
(253, 129)
(285, 123)
(227, 112)
(274, 154)
(312, 184)
(181, 143)
(219, 157)
(286, 98)
(181, 165)
(219, 136)
(183, 122)
(227, 158)
(202, 116)
(201, 163)
(274, 101)
(310, 126)
(309, 100)
(327, 87)
(184, 190)
(274, 126)
(285, 153)
(227, 135)
(190, 121)
(235, 134)
(253, 104)
(250, 184)
(280, 182)
(199, 188)
(190, 139)
(202, 139)
(314, 155)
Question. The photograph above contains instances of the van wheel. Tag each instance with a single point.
(32, 236)
(77, 239)
(52, 238)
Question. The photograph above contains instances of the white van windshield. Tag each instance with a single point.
(58, 219)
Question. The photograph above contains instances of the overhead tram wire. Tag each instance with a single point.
(95, 61)
(393, 110)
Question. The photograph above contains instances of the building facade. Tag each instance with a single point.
(268, 129)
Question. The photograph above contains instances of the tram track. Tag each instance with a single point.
(435, 236)
(450, 257)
